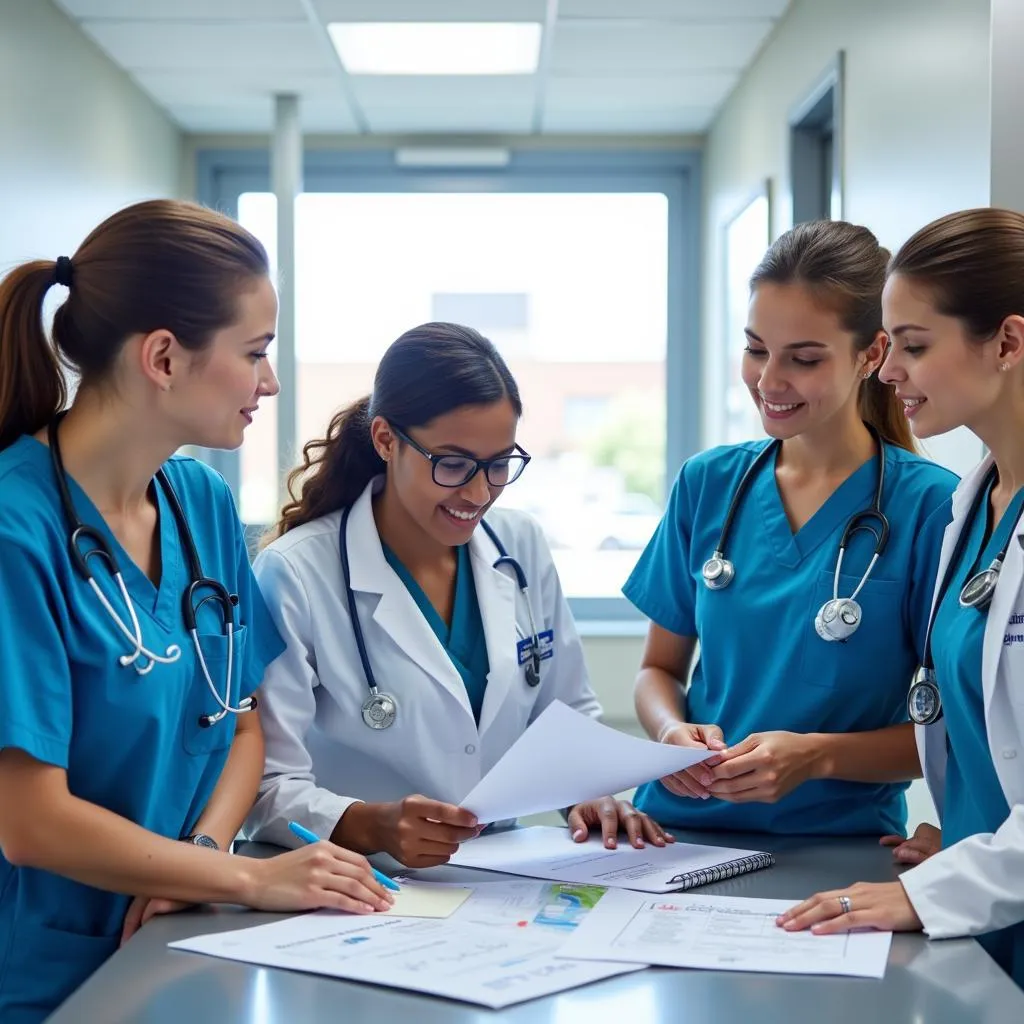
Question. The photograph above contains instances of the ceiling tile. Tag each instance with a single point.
(602, 48)
(171, 88)
(672, 10)
(430, 10)
(256, 115)
(455, 104)
(225, 48)
(586, 93)
(185, 10)
(630, 120)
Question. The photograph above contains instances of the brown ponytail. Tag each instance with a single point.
(843, 266)
(32, 388)
(429, 371)
(158, 264)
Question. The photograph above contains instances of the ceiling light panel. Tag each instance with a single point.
(437, 48)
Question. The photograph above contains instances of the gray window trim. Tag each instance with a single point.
(224, 174)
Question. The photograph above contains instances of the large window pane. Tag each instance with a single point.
(572, 290)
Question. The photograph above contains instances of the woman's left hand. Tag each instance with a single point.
(881, 905)
(143, 909)
(763, 768)
(615, 815)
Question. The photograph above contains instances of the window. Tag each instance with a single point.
(747, 236)
(582, 267)
(572, 290)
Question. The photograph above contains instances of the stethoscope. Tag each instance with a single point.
(380, 709)
(924, 704)
(142, 659)
(839, 617)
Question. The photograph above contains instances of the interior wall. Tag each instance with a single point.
(915, 138)
(78, 139)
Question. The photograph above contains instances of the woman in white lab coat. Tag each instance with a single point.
(954, 311)
(376, 749)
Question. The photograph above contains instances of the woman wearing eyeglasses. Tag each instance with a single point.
(421, 638)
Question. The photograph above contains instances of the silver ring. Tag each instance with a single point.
(844, 902)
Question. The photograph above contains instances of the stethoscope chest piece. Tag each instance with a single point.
(838, 619)
(380, 710)
(978, 590)
(924, 705)
(718, 572)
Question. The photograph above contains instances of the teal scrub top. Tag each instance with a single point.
(129, 743)
(464, 640)
(761, 664)
(974, 799)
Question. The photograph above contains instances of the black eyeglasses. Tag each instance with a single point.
(458, 470)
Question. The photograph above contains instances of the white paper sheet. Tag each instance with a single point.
(725, 933)
(564, 758)
(500, 947)
(546, 852)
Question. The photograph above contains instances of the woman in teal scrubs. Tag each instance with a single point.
(409, 667)
(954, 307)
(809, 734)
(123, 779)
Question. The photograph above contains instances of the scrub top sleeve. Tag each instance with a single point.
(923, 570)
(264, 641)
(661, 585)
(35, 674)
(287, 710)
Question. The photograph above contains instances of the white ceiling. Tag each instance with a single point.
(607, 66)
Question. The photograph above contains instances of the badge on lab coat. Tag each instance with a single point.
(547, 646)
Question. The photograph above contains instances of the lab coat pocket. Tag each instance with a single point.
(866, 658)
(200, 739)
(46, 965)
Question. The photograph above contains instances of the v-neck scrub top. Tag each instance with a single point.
(762, 665)
(463, 641)
(129, 743)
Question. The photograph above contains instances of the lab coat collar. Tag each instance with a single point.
(968, 487)
(396, 612)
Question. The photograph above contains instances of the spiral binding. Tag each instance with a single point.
(720, 872)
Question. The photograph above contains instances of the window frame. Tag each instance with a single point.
(222, 175)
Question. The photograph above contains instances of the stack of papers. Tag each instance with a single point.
(500, 947)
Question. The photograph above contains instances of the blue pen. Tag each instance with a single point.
(311, 837)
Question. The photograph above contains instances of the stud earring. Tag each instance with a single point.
(1003, 367)
(866, 375)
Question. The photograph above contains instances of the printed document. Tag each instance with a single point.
(725, 933)
(546, 852)
(565, 758)
(500, 947)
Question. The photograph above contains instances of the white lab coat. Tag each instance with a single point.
(320, 755)
(977, 885)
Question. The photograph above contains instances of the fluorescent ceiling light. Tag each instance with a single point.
(437, 48)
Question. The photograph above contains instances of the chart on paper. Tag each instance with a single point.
(502, 946)
(720, 932)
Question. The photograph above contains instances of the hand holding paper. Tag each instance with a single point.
(564, 758)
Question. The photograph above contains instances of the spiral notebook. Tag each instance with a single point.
(547, 852)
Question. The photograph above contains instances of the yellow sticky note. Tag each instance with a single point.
(425, 900)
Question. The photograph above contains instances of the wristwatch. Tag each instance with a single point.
(201, 839)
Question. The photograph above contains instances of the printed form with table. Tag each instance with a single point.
(577, 913)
